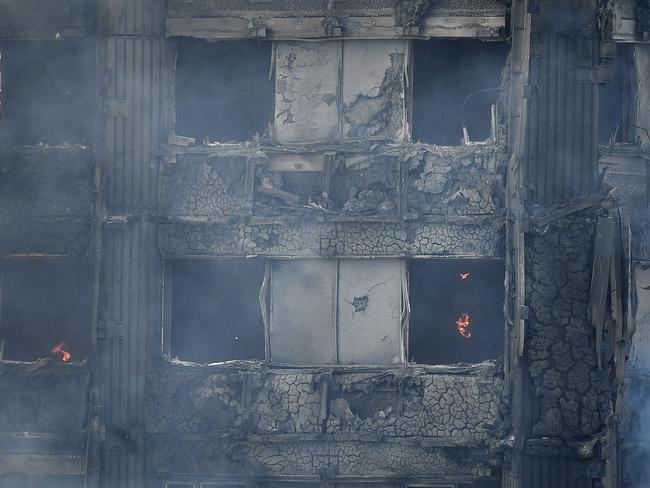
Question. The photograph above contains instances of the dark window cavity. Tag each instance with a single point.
(215, 312)
(46, 303)
(223, 91)
(617, 100)
(455, 84)
(456, 310)
(48, 92)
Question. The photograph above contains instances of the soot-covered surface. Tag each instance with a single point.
(215, 311)
(440, 296)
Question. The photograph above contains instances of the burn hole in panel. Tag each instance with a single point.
(222, 89)
(215, 311)
(616, 116)
(48, 92)
(455, 83)
(46, 309)
(456, 310)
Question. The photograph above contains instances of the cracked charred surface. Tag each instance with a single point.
(52, 398)
(562, 356)
(459, 406)
(204, 187)
(320, 239)
(453, 408)
(317, 458)
(271, 421)
(45, 200)
(465, 180)
(442, 180)
(366, 186)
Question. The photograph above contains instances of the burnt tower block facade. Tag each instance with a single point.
(349, 244)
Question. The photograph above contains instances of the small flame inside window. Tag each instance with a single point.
(463, 324)
(65, 356)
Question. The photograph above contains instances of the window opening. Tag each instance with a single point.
(54, 104)
(456, 310)
(455, 85)
(215, 312)
(223, 90)
(45, 309)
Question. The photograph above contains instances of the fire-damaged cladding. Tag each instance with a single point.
(342, 244)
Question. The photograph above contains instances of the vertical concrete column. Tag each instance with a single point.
(130, 60)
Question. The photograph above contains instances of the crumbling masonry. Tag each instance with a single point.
(322, 375)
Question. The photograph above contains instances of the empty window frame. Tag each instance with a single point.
(45, 309)
(456, 310)
(223, 90)
(337, 311)
(616, 108)
(455, 85)
(48, 92)
(213, 310)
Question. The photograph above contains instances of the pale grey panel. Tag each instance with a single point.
(306, 91)
(303, 311)
(642, 64)
(640, 354)
(369, 309)
(373, 89)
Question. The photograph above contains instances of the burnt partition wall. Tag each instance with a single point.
(456, 310)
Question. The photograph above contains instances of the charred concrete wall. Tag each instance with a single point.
(457, 405)
(442, 200)
(45, 398)
(45, 200)
(274, 422)
(562, 356)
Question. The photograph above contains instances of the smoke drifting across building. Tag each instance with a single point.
(324, 243)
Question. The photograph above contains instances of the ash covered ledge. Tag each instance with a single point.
(370, 20)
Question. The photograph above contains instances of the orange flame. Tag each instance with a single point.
(59, 348)
(463, 324)
(464, 275)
